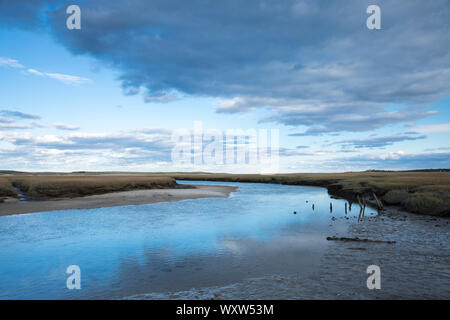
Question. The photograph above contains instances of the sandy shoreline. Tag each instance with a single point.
(116, 199)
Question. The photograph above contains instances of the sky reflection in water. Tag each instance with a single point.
(166, 246)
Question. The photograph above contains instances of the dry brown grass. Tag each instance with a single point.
(6, 189)
(42, 187)
(419, 192)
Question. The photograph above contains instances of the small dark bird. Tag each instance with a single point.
(295, 212)
(313, 206)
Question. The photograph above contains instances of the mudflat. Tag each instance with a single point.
(135, 197)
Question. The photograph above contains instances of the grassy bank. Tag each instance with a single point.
(37, 187)
(6, 188)
(417, 192)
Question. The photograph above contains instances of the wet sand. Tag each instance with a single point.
(13, 206)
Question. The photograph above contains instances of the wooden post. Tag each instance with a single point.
(364, 209)
(379, 203)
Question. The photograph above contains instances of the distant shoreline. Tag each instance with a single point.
(13, 206)
(421, 192)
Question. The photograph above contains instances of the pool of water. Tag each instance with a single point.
(168, 246)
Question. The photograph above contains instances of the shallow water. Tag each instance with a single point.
(169, 246)
(415, 267)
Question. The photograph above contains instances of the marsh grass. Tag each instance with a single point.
(6, 189)
(418, 192)
(42, 187)
(396, 197)
(422, 202)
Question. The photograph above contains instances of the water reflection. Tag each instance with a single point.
(129, 250)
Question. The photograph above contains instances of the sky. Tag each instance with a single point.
(110, 95)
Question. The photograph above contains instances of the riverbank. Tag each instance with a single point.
(135, 197)
(45, 187)
(423, 192)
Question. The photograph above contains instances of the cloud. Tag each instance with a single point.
(10, 63)
(64, 126)
(161, 97)
(285, 152)
(35, 72)
(157, 139)
(18, 114)
(391, 161)
(129, 150)
(434, 128)
(437, 149)
(377, 142)
(13, 127)
(313, 131)
(6, 120)
(302, 60)
(67, 79)
(157, 131)
(239, 104)
(37, 124)
(334, 121)
(64, 78)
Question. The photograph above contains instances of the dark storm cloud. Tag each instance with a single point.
(303, 60)
(23, 14)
